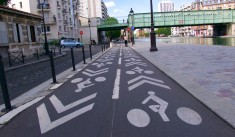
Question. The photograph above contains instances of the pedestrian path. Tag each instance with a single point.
(118, 94)
(207, 72)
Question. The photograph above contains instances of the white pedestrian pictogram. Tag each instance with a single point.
(143, 80)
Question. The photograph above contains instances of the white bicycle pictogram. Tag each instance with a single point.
(140, 118)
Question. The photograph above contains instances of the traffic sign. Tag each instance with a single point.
(81, 32)
(128, 29)
(132, 28)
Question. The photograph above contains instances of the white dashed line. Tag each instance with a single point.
(116, 85)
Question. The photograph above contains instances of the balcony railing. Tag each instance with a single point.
(45, 6)
(50, 20)
(64, 11)
(65, 22)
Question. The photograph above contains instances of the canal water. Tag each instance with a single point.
(223, 41)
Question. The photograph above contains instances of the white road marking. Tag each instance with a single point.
(70, 76)
(7, 117)
(148, 72)
(120, 61)
(149, 82)
(161, 108)
(56, 86)
(77, 80)
(45, 121)
(100, 79)
(144, 77)
(138, 118)
(61, 108)
(189, 116)
(94, 73)
(116, 85)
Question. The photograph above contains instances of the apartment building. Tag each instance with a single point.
(61, 16)
(165, 6)
(92, 8)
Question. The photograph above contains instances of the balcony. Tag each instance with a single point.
(64, 11)
(65, 22)
(63, 1)
(46, 7)
(50, 20)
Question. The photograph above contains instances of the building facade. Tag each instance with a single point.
(92, 8)
(207, 30)
(61, 16)
(19, 32)
(165, 6)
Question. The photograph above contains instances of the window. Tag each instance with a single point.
(48, 28)
(60, 28)
(32, 32)
(21, 6)
(18, 33)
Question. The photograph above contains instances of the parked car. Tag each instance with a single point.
(70, 43)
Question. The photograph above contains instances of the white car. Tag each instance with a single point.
(70, 43)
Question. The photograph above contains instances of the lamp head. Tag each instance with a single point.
(131, 12)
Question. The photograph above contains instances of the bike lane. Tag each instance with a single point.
(82, 106)
(151, 104)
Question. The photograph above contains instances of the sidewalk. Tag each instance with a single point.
(207, 72)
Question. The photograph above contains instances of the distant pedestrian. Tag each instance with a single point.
(125, 38)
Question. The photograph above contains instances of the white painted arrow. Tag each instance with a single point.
(45, 121)
(149, 82)
(95, 72)
(144, 77)
(61, 108)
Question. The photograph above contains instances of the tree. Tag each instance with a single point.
(4, 2)
(166, 31)
(112, 33)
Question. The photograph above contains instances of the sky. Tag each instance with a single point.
(121, 8)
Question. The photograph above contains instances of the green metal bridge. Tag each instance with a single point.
(173, 19)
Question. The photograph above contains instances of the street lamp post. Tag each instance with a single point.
(152, 33)
(131, 13)
(42, 2)
(89, 23)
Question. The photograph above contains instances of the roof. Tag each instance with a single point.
(18, 12)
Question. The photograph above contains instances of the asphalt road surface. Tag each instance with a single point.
(120, 94)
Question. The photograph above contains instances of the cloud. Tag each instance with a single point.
(110, 4)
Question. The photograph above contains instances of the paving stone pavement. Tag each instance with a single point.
(207, 72)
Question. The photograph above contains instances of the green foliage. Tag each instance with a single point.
(146, 34)
(166, 31)
(113, 33)
(54, 42)
(4, 2)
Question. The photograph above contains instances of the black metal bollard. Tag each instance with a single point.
(37, 55)
(52, 66)
(9, 59)
(83, 54)
(22, 57)
(101, 47)
(4, 86)
(72, 56)
(90, 51)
